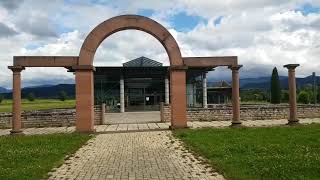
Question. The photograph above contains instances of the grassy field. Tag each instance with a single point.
(259, 153)
(38, 104)
(32, 157)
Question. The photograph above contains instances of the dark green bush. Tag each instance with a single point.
(31, 97)
(62, 96)
(303, 97)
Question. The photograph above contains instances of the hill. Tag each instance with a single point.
(46, 91)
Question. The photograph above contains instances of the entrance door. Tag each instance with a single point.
(136, 100)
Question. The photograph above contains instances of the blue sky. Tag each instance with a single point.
(263, 34)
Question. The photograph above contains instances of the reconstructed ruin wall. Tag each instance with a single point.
(248, 112)
(47, 118)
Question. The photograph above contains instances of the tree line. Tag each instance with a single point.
(62, 96)
(276, 95)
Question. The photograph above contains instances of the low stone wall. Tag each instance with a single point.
(47, 118)
(248, 112)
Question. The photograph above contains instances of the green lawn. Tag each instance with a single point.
(259, 153)
(32, 157)
(38, 104)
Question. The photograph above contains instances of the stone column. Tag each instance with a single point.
(292, 94)
(16, 97)
(178, 97)
(235, 96)
(84, 98)
(103, 111)
(122, 106)
(166, 91)
(204, 89)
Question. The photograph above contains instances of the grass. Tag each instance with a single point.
(38, 104)
(32, 157)
(259, 153)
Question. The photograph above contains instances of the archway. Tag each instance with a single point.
(84, 69)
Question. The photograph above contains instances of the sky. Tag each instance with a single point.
(262, 33)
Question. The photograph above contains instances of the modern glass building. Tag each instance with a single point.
(141, 84)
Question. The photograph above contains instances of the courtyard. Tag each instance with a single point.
(264, 149)
(157, 90)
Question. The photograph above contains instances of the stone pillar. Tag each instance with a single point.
(204, 89)
(161, 112)
(84, 99)
(166, 91)
(122, 105)
(235, 96)
(16, 97)
(178, 97)
(103, 111)
(292, 94)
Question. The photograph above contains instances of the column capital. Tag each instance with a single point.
(178, 68)
(16, 68)
(235, 67)
(291, 66)
(83, 68)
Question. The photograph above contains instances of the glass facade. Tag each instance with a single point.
(144, 87)
(194, 88)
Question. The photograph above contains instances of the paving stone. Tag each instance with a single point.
(157, 126)
(134, 155)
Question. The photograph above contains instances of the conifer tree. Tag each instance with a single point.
(275, 87)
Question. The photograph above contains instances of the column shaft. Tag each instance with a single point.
(204, 93)
(16, 107)
(166, 93)
(178, 99)
(293, 119)
(84, 101)
(122, 107)
(235, 96)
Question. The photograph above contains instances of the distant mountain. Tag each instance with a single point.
(46, 91)
(264, 82)
(4, 90)
(51, 91)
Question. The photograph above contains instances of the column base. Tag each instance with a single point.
(236, 124)
(293, 122)
(16, 133)
(177, 127)
(86, 131)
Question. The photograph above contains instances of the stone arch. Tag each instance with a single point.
(125, 22)
(84, 69)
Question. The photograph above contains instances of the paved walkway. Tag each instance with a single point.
(132, 117)
(140, 155)
(156, 126)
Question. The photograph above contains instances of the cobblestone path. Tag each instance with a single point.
(135, 155)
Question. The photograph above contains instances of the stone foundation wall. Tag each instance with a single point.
(248, 112)
(47, 118)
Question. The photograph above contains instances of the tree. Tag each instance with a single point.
(1, 98)
(275, 87)
(303, 97)
(62, 95)
(31, 97)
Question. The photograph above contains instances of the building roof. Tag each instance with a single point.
(142, 62)
(219, 85)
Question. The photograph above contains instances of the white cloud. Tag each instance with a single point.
(262, 34)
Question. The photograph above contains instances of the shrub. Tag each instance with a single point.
(303, 97)
(285, 96)
(1, 98)
(31, 97)
(62, 95)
